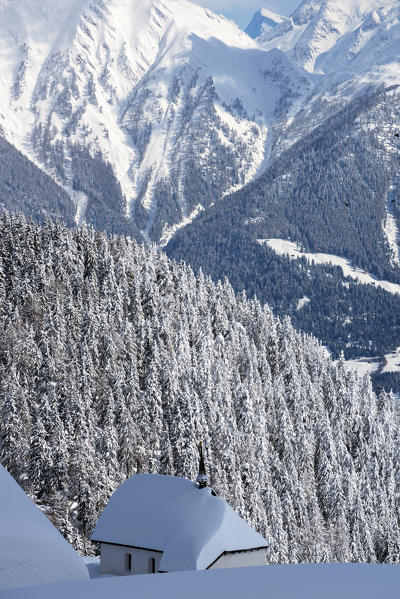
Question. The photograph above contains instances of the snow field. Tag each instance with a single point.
(291, 249)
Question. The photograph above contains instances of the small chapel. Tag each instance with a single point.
(156, 523)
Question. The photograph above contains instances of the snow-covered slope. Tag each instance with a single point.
(183, 104)
(32, 551)
(167, 91)
(263, 21)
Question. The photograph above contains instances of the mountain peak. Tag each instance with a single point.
(263, 20)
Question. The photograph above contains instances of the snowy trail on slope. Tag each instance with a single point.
(284, 247)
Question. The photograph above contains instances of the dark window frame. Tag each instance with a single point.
(152, 565)
(128, 562)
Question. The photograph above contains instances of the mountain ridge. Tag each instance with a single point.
(178, 94)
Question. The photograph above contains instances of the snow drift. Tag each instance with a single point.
(310, 581)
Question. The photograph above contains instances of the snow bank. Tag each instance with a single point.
(32, 551)
(189, 525)
(93, 566)
(309, 581)
(291, 249)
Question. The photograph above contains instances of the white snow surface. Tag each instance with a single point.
(189, 525)
(303, 301)
(334, 35)
(132, 78)
(93, 567)
(292, 249)
(306, 581)
(32, 551)
(391, 231)
(364, 365)
(348, 46)
(390, 227)
(392, 362)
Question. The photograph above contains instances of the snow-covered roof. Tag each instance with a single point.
(305, 581)
(32, 551)
(189, 525)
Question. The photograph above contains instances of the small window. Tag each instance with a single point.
(128, 562)
(152, 565)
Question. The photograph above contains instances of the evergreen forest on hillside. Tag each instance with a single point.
(27, 189)
(330, 192)
(115, 359)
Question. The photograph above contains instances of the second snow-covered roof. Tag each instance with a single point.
(32, 551)
(189, 525)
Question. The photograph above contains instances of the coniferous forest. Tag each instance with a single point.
(114, 359)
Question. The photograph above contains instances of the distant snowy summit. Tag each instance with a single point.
(264, 20)
(330, 36)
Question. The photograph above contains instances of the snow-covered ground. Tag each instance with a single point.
(169, 232)
(309, 581)
(390, 227)
(291, 249)
(392, 362)
(364, 365)
(93, 566)
(392, 235)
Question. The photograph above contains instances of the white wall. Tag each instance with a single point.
(114, 560)
(240, 559)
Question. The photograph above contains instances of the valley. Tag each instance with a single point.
(170, 127)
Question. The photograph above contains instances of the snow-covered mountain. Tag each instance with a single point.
(178, 100)
(183, 105)
(331, 35)
(349, 47)
(332, 182)
(263, 21)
